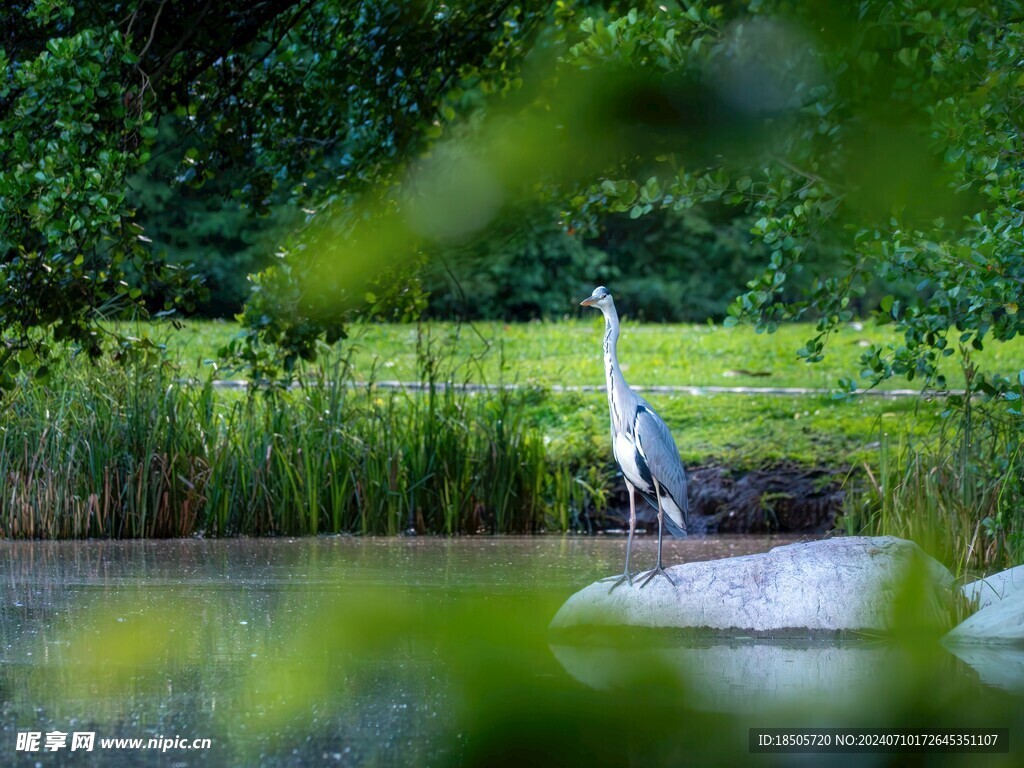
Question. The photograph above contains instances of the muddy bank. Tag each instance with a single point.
(778, 499)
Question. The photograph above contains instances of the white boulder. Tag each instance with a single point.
(837, 584)
(998, 622)
(994, 588)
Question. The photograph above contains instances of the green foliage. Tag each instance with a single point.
(862, 146)
(677, 266)
(889, 135)
(332, 97)
(343, 143)
(853, 142)
(75, 125)
(958, 490)
(866, 143)
(131, 452)
(275, 101)
(665, 266)
(286, 321)
(524, 268)
(205, 227)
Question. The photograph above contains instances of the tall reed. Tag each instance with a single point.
(130, 451)
(959, 492)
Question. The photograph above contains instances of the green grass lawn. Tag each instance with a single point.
(569, 353)
(739, 430)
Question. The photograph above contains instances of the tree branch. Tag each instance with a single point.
(152, 29)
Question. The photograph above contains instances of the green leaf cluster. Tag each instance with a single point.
(887, 148)
(74, 124)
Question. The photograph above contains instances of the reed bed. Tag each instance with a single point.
(129, 452)
(958, 492)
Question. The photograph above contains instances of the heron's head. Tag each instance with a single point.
(600, 298)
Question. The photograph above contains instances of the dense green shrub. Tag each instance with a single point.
(666, 266)
(195, 220)
(527, 267)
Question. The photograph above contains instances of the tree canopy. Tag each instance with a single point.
(890, 129)
(290, 100)
(877, 139)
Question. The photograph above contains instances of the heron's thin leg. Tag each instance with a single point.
(626, 575)
(660, 567)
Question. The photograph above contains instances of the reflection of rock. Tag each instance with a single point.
(837, 584)
(737, 676)
(997, 665)
(999, 622)
(994, 588)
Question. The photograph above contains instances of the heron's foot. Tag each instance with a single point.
(626, 577)
(658, 570)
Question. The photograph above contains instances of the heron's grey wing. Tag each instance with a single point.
(657, 446)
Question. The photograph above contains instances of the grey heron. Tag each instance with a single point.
(642, 444)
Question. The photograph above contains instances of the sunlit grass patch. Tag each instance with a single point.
(748, 430)
(568, 353)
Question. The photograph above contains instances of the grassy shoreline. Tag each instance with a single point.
(114, 451)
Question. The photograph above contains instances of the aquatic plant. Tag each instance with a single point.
(134, 452)
(957, 491)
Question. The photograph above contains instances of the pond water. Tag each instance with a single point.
(423, 651)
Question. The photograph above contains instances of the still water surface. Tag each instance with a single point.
(414, 651)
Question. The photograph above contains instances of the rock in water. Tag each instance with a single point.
(994, 588)
(1001, 616)
(842, 584)
(1000, 622)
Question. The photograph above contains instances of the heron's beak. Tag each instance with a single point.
(588, 302)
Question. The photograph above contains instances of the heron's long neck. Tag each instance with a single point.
(613, 374)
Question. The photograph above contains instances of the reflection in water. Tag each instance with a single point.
(999, 665)
(405, 651)
(738, 675)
